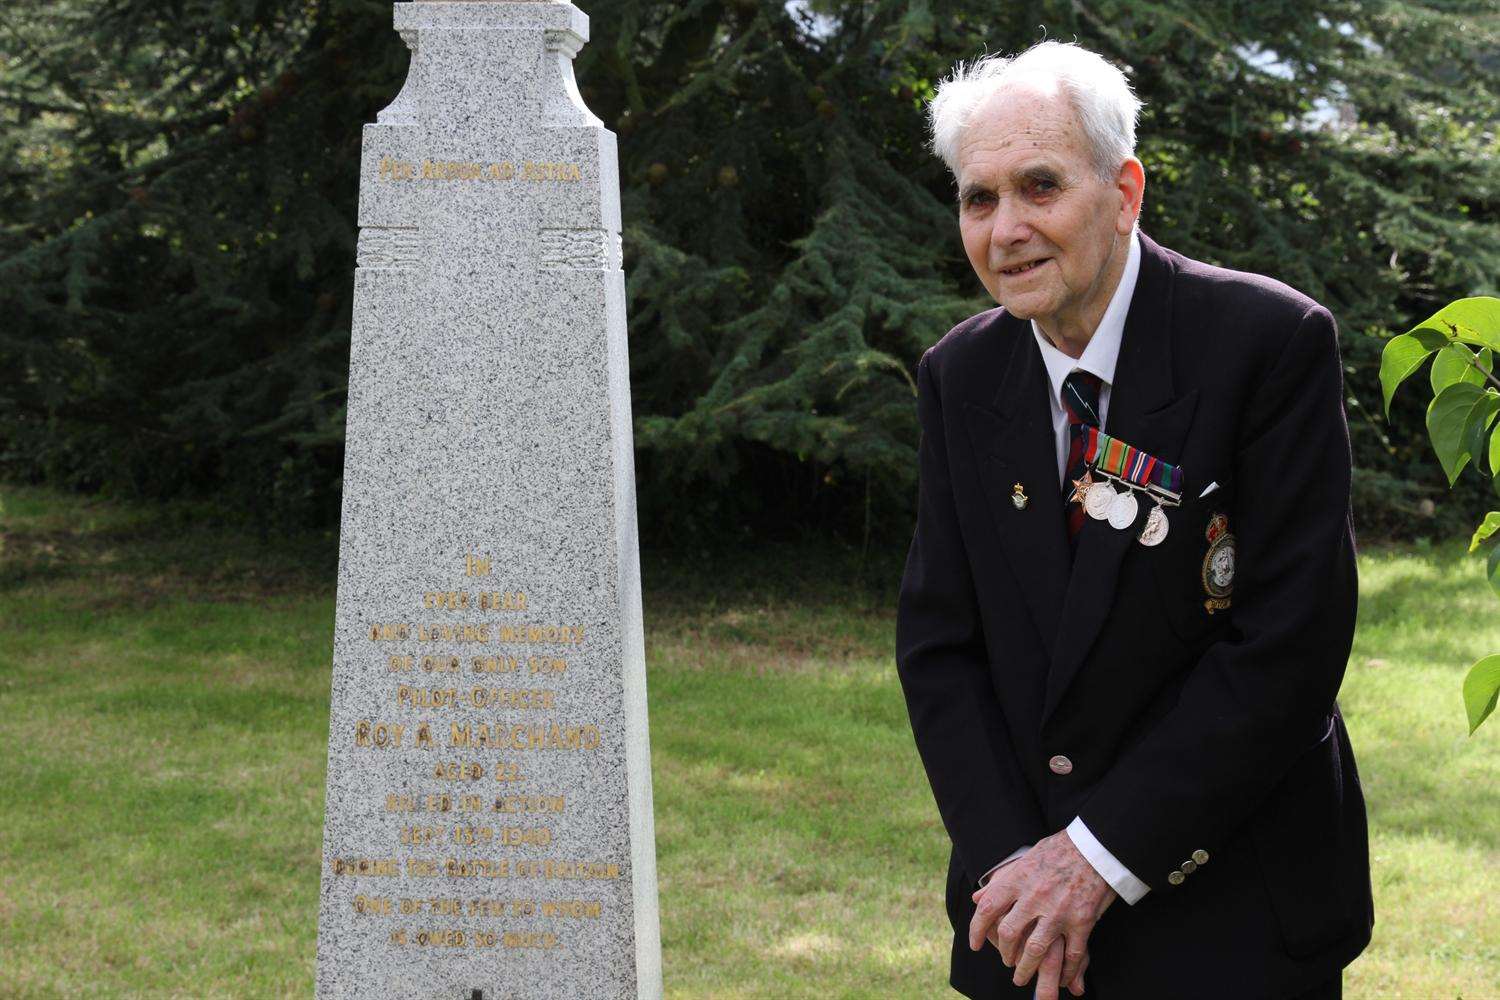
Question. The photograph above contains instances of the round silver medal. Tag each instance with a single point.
(1122, 509)
(1099, 501)
(1156, 527)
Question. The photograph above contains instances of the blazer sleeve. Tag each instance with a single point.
(986, 804)
(1255, 701)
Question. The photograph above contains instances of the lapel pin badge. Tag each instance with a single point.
(1018, 496)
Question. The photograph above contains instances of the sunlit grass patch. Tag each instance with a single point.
(164, 711)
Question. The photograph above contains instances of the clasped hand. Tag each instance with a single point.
(1038, 912)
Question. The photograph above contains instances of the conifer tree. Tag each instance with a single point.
(179, 185)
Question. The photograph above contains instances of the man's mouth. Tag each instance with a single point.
(1024, 268)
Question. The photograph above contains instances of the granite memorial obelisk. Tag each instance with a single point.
(489, 829)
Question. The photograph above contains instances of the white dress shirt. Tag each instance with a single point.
(1098, 357)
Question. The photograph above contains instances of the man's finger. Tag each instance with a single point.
(1049, 971)
(1011, 932)
(1034, 948)
(1075, 951)
(1075, 985)
(991, 906)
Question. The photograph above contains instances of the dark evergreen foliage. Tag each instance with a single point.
(177, 192)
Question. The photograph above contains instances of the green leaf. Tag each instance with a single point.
(1481, 690)
(1495, 455)
(1487, 527)
(1403, 355)
(1474, 320)
(1455, 363)
(1447, 419)
(1477, 430)
(1493, 569)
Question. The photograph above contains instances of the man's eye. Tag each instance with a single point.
(1043, 186)
(977, 197)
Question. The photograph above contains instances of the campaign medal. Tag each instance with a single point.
(1122, 510)
(1218, 564)
(1136, 470)
(1099, 500)
(1081, 488)
(1155, 530)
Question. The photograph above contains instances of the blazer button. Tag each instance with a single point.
(1176, 877)
(1189, 867)
(1060, 765)
(1200, 856)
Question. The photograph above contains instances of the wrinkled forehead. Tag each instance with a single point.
(1026, 122)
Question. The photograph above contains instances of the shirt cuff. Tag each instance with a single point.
(1120, 878)
(1011, 857)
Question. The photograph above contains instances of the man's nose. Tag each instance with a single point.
(1009, 226)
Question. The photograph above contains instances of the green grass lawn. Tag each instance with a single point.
(163, 717)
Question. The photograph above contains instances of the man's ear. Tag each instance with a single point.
(1131, 183)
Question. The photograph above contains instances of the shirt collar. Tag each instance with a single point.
(1103, 348)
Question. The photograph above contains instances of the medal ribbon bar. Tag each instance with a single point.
(1130, 464)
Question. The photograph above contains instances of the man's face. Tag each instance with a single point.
(1028, 195)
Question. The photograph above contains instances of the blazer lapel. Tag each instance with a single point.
(1144, 411)
(1013, 442)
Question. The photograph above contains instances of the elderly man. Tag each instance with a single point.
(1131, 591)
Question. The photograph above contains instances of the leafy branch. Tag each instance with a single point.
(1462, 339)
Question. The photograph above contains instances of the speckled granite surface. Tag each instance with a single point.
(489, 791)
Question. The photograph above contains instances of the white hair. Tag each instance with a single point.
(1100, 95)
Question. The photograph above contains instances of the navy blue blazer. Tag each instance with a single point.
(1193, 730)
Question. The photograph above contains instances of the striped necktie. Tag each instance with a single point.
(1080, 398)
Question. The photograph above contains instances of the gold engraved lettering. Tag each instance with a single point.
(549, 171)
(507, 836)
(400, 664)
(420, 834)
(497, 600)
(562, 634)
(477, 868)
(508, 772)
(530, 939)
(390, 632)
(450, 770)
(546, 665)
(499, 736)
(372, 904)
(469, 170)
(573, 909)
(425, 697)
(440, 664)
(454, 599)
(482, 698)
(400, 803)
(495, 664)
(378, 867)
(439, 938)
(530, 804)
(378, 734)
(475, 566)
(453, 633)
(421, 868)
(396, 170)
(479, 697)
(553, 869)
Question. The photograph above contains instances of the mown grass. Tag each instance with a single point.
(163, 718)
